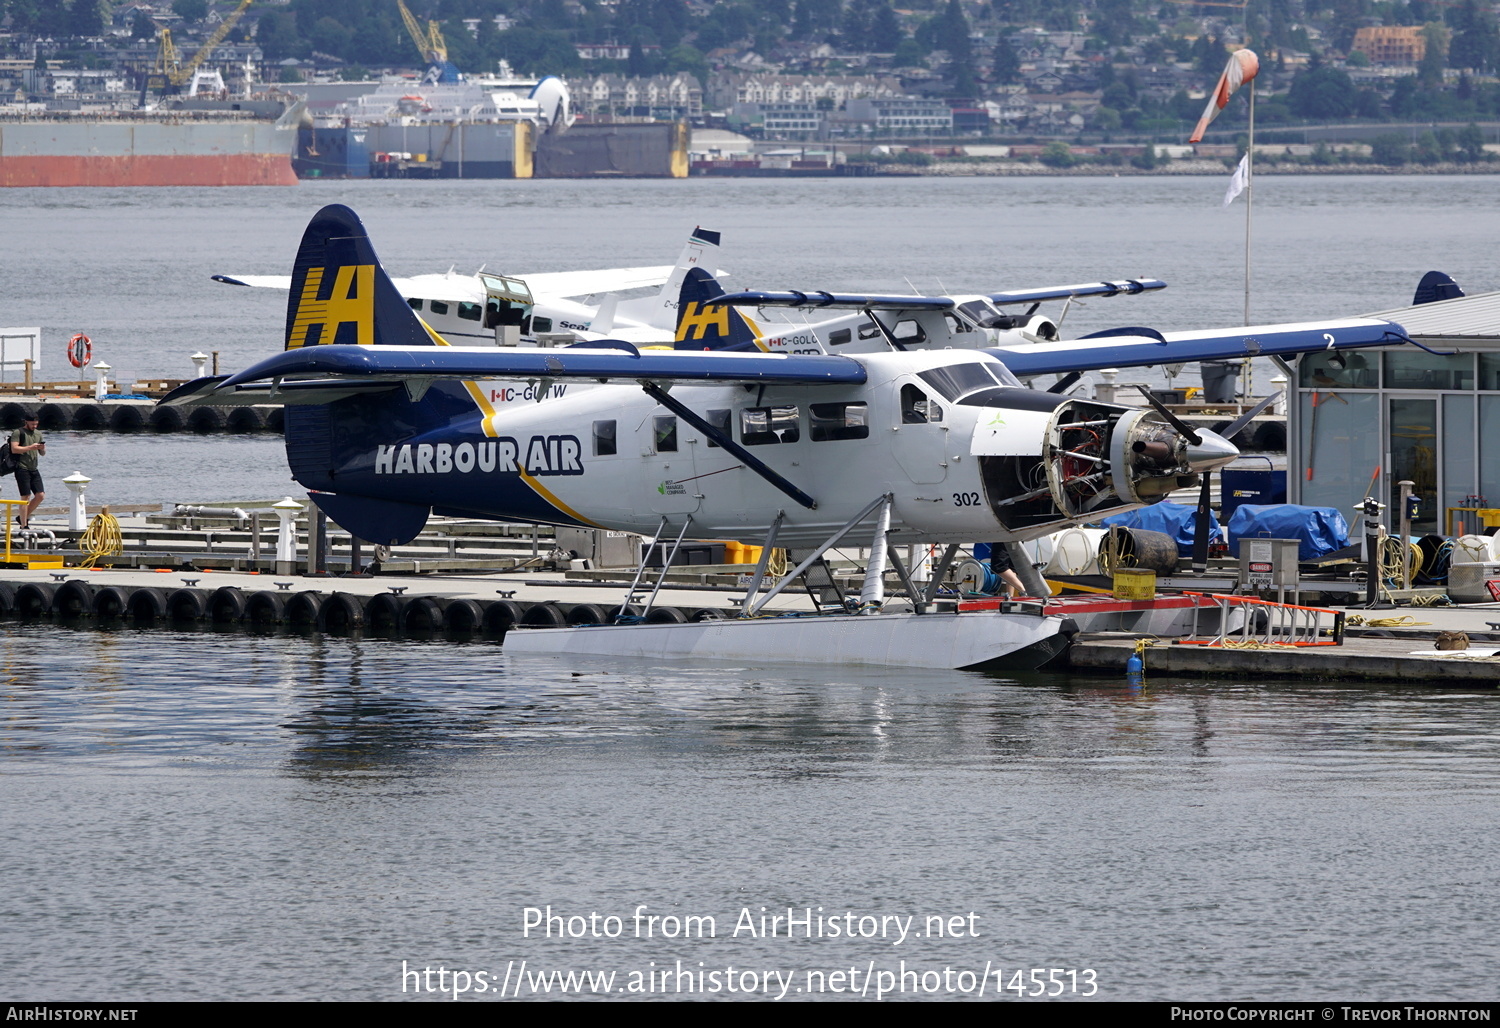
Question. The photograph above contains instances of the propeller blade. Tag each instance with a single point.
(1202, 522)
(1239, 423)
(1188, 432)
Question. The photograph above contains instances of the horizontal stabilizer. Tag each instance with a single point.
(382, 522)
(211, 392)
(256, 281)
(314, 363)
(1184, 347)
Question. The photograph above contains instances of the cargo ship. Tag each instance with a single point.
(479, 127)
(149, 148)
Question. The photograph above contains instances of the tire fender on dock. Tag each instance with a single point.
(343, 611)
(165, 419)
(74, 599)
(265, 608)
(226, 605)
(88, 418)
(146, 604)
(545, 615)
(587, 614)
(127, 417)
(666, 616)
(464, 616)
(53, 417)
(422, 614)
(188, 604)
(7, 598)
(206, 420)
(502, 616)
(33, 600)
(109, 602)
(384, 612)
(243, 420)
(305, 609)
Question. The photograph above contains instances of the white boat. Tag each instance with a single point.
(979, 640)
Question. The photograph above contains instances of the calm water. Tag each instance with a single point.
(219, 816)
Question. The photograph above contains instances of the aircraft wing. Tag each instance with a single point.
(567, 284)
(456, 288)
(321, 374)
(1128, 286)
(1143, 348)
(822, 300)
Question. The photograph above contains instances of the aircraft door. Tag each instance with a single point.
(921, 437)
(669, 481)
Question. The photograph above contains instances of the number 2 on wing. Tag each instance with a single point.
(966, 499)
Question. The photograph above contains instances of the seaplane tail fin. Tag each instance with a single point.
(1435, 286)
(660, 311)
(341, 294)
(705, 326)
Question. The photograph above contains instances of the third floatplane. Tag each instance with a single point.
(914, 438)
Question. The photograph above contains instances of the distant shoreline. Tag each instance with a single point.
(1008, 169)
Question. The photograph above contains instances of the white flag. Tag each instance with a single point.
(1239, 181)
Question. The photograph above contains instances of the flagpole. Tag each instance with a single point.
(1249, 196)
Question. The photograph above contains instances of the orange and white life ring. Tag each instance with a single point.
(80, 350)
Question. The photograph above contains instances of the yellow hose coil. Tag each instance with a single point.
(101, 539)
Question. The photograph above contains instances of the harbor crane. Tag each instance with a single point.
(169, 74)
(431, 44)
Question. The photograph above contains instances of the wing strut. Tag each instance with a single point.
(750, 461)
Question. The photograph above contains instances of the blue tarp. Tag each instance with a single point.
(1319, 529)
(1173, 519)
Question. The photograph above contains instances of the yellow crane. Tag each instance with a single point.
(184, 74)
(169, 74)
(433, 47)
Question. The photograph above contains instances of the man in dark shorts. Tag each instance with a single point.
(28, 446)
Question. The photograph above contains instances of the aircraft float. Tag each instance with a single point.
(927, 438)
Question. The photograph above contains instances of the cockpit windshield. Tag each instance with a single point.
(977, 311)
(955, 380)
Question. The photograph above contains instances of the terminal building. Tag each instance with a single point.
(1384, 415)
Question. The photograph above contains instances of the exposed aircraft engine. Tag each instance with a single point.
(1098, 455)
(1095, 458)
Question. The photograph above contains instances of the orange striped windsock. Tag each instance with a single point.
(1242, 66)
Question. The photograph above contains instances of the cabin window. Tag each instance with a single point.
(957, 379)
(839, 421)
(957, 324)
(438, 307)
(909, 331)
(470, 311)
(604, 438)
(541, 324)
(414, 304)
(917, 407)
(720, 420)
(760, 425)
(869, 330)
(664, 431)
(841, 335)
